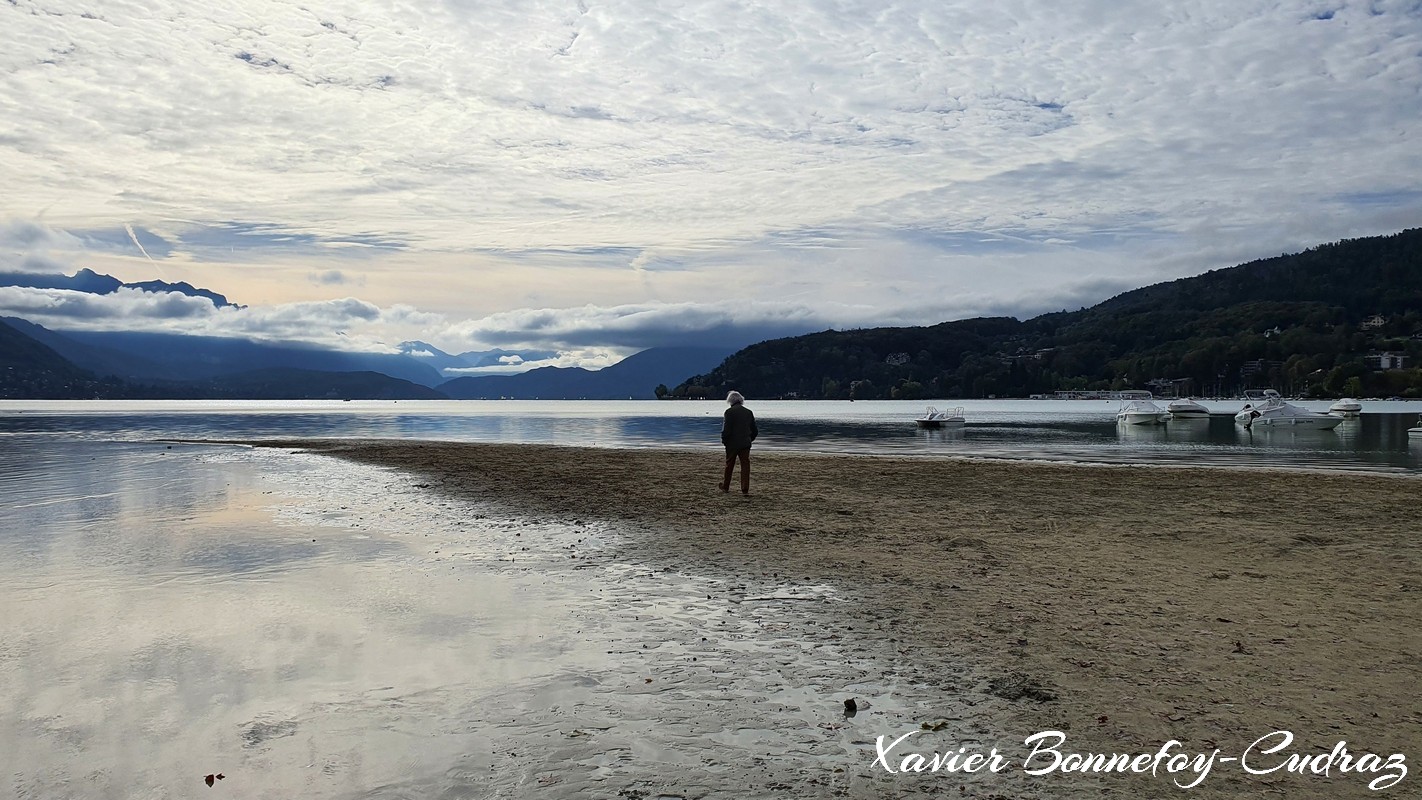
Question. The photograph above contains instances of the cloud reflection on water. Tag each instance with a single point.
(160, 625)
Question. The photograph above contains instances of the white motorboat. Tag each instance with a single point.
(1141, 412)
(933, 418)
(1414, 433)
(1347, 407)
(1274, 412)
(1186, 409)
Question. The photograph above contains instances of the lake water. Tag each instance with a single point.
(311, 628)
(314, 628)
(1051, 430)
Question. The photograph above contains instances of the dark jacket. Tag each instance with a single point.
(738, 428)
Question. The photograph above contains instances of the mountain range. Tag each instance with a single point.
(635, 377)
(38, 362)
(145, 357)
(88, 281)
(451, 366)
(1341, 318)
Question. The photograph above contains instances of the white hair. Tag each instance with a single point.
(735, 398)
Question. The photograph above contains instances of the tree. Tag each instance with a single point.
(908, 390)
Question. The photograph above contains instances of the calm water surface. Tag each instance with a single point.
(314, 628)
(170, 612)
(1050, 430)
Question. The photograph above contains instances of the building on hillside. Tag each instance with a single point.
(1385, 360)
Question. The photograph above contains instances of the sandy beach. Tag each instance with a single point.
(1123, 606)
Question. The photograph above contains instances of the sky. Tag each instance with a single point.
(595, 178)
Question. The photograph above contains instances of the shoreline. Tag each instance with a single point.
(1206, 605)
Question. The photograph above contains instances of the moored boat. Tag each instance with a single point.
(1274, 412)
(933, 418)
(1141, 412)
(1347, 407)
(1186, 409)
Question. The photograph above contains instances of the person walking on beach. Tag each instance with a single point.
(737, 432)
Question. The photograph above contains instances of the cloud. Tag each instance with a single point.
(583, 336)
(849, 159)
(636, 327)
(27, 246)
(586, 358)
(335, 277)
(535, 125)
(83, 309)
(345, 323)
(22, 236)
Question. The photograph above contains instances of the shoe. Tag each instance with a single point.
(725, 487)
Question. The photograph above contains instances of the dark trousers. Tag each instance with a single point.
(731, 456)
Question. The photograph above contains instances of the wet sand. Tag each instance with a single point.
(1125, 606)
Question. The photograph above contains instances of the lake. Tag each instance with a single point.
(314, 628)
(1046, 429)
(311, 628)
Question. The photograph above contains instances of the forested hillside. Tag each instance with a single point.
(1324, 322)
(29, 369)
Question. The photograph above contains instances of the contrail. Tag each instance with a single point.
(134, 237)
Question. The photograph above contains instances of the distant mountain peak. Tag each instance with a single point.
(90, 282)
(636, 376)
(183, 287)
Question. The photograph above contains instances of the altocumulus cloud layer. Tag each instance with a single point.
(614, 174)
